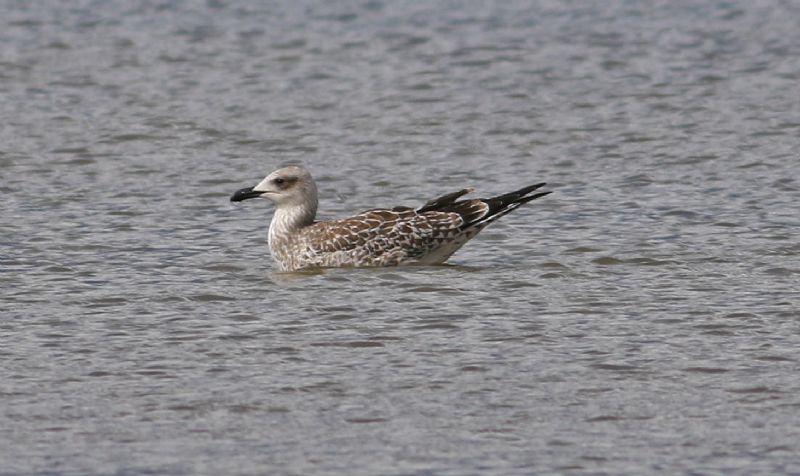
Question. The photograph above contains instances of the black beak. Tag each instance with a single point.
(244, 194)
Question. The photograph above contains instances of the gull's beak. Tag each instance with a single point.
(244, 194)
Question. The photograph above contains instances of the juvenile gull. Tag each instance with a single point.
(380, 237)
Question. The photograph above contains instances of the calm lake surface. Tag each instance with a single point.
(642, 319)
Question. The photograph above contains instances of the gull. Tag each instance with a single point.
(426, 235)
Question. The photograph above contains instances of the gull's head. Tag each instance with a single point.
(290, 186)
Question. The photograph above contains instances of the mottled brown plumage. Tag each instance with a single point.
(381, 237)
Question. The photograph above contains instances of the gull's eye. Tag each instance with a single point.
(279, 181)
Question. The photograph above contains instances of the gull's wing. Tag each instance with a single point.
(429, 234)
(400, 232)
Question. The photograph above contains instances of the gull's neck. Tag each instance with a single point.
(287, 221)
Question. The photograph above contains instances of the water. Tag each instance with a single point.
(641, 319)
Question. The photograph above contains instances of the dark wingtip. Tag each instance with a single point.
(516, 196)
(532, 197)
(530, 188)
(539, 195)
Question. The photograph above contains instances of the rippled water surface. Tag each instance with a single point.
(641, 319)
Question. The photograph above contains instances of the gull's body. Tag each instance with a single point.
(380, 237)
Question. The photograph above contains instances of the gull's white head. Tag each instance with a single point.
(288, 187)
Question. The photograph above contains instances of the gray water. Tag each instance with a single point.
(642, 319)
